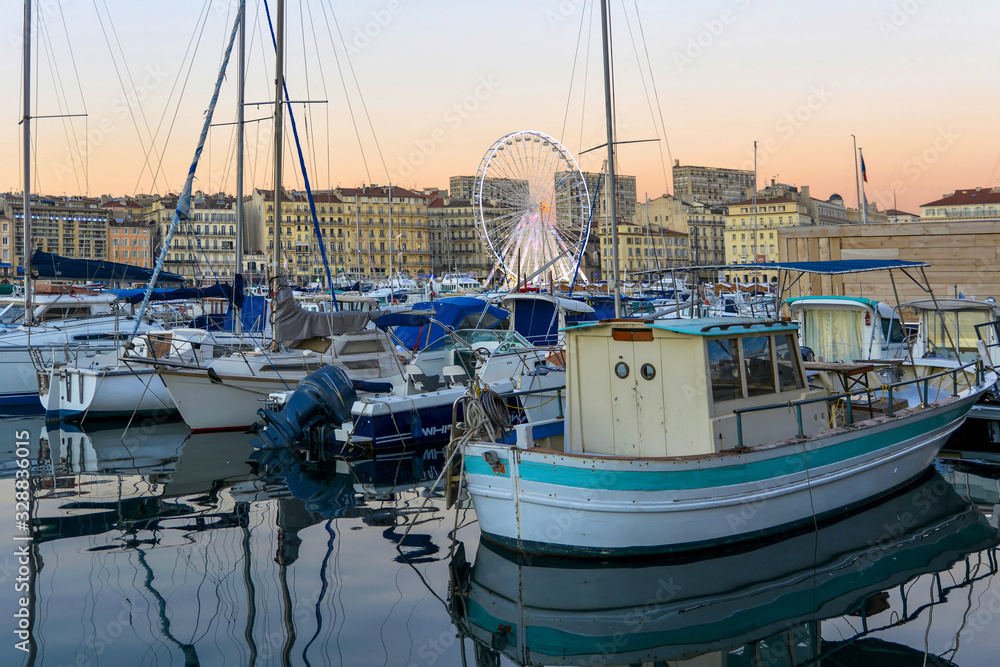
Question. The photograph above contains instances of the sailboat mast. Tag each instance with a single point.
(391, 246)
(26, 189)
(279, 75)
(610, 118)
(240, 88)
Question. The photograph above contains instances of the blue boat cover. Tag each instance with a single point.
(456, 312)
(217, 291)
(401, 320)
(54, 267)
(537, 320)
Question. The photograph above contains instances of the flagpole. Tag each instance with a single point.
(857, 176)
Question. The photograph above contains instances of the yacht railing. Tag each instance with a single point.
(979, 375)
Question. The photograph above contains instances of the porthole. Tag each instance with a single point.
(647, 371)
(621, 370)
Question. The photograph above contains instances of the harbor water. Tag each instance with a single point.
(149, 545)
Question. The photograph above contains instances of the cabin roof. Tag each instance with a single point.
(702, 326)
(952, 305)
(717, 326)
(805, 300)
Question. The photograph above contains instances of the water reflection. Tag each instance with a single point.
(153, 546)
(760, 606)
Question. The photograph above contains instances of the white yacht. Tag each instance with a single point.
(67, 328)
(122, 383)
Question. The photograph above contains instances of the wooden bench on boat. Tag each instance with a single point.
(852, 376)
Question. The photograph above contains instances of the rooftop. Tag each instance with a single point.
(969, 196)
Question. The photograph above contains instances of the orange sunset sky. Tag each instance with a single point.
(424, 88)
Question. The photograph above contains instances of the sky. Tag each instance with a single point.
(413, 92)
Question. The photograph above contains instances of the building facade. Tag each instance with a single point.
(968, 204)
(752, 232)
(456, 241)
(203, 247)
(366, 231)
(712, 186)
(68, 226)
(643, 248)
(131, 241)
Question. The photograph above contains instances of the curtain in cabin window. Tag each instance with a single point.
(834, 335)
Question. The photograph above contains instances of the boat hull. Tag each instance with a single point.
(544, 501)
(77, 393)
(228, 404)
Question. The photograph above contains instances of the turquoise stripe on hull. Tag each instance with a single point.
(514, 545)
(689, 477)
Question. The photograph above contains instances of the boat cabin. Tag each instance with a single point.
(659, 388)
(457, 283)
(51, 307)
(947, 329)
(845, 329)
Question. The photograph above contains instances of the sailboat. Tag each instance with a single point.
(67, 324)
(225, 394)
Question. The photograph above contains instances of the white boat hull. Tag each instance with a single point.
(57, 342)
(544, 501)
(79, 393)
(229, 404)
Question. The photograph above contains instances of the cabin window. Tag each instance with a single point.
(724, 369)
(951, 328)
(788, 369)
(621, 370)
(648, 371)
(363, 347)
(892, 330)
(758, 364)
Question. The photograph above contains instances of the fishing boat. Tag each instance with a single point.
(684, 434)
(761, 606)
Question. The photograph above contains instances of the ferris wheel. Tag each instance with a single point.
(532, 207)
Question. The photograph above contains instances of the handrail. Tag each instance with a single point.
(849, 416)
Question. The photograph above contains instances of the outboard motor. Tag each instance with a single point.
(323, 396)
(807, 353)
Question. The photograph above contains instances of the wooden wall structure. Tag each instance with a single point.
(963, 258)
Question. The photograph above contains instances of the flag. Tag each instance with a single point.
(864, 174)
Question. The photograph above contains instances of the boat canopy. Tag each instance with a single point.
(416, 330)
(55, 267)
(825, 268)
(949, 305)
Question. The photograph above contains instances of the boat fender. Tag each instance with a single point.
(416, 425)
